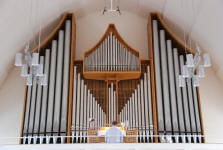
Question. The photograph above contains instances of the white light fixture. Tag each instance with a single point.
(111, 9)
(193, 70)
(32, 69)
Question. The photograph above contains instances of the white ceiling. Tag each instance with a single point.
(202, 19)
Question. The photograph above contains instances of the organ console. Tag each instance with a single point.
(112, 83)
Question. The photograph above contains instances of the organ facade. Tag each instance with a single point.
(111, 83)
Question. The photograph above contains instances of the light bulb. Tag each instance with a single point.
(35, 59)
(18, 59)
(207, 60)
(201, 73)
(190, 60)
(24, 71)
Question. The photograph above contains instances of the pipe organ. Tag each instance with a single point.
(112, 83)
(178, 110)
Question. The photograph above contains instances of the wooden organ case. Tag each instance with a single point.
(112, 83)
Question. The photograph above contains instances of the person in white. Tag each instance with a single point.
(114, 134)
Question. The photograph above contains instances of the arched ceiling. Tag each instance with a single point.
(201, 19)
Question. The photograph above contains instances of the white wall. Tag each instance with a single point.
(131, 27)
(11, 106)
(211, 94)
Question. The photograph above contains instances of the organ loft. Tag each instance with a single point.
(112, 83)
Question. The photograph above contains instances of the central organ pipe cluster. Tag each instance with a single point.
(111, 55)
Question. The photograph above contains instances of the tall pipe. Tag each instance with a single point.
(65, 76)
(158, 76)
(45, 92)
(51, 86)
(185, 100)
(58, 82)
(172, 86)
(166, 97)
(38, 102)
(178, 91)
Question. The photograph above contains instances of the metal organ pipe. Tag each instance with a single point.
(45, 92)
(178, 91)
(58, 82)
(185, 101)
(158, 76)
(38, 103)
(172, 86)
(65, 76)
(51, 87)
(166, 97)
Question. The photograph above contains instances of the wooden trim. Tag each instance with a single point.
(23, 115)
(52, 34)
(180, 43)
(152, 74)
(200, 112)
(72, 57)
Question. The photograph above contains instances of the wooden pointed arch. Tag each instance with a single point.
(112, 75)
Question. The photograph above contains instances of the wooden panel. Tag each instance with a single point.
(72, 56)
(153, 85)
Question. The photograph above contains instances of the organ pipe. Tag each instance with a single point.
(51, 87)
(172, 86)
(58, 82)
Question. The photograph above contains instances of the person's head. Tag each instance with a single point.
(114, 123)
(92, 121)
